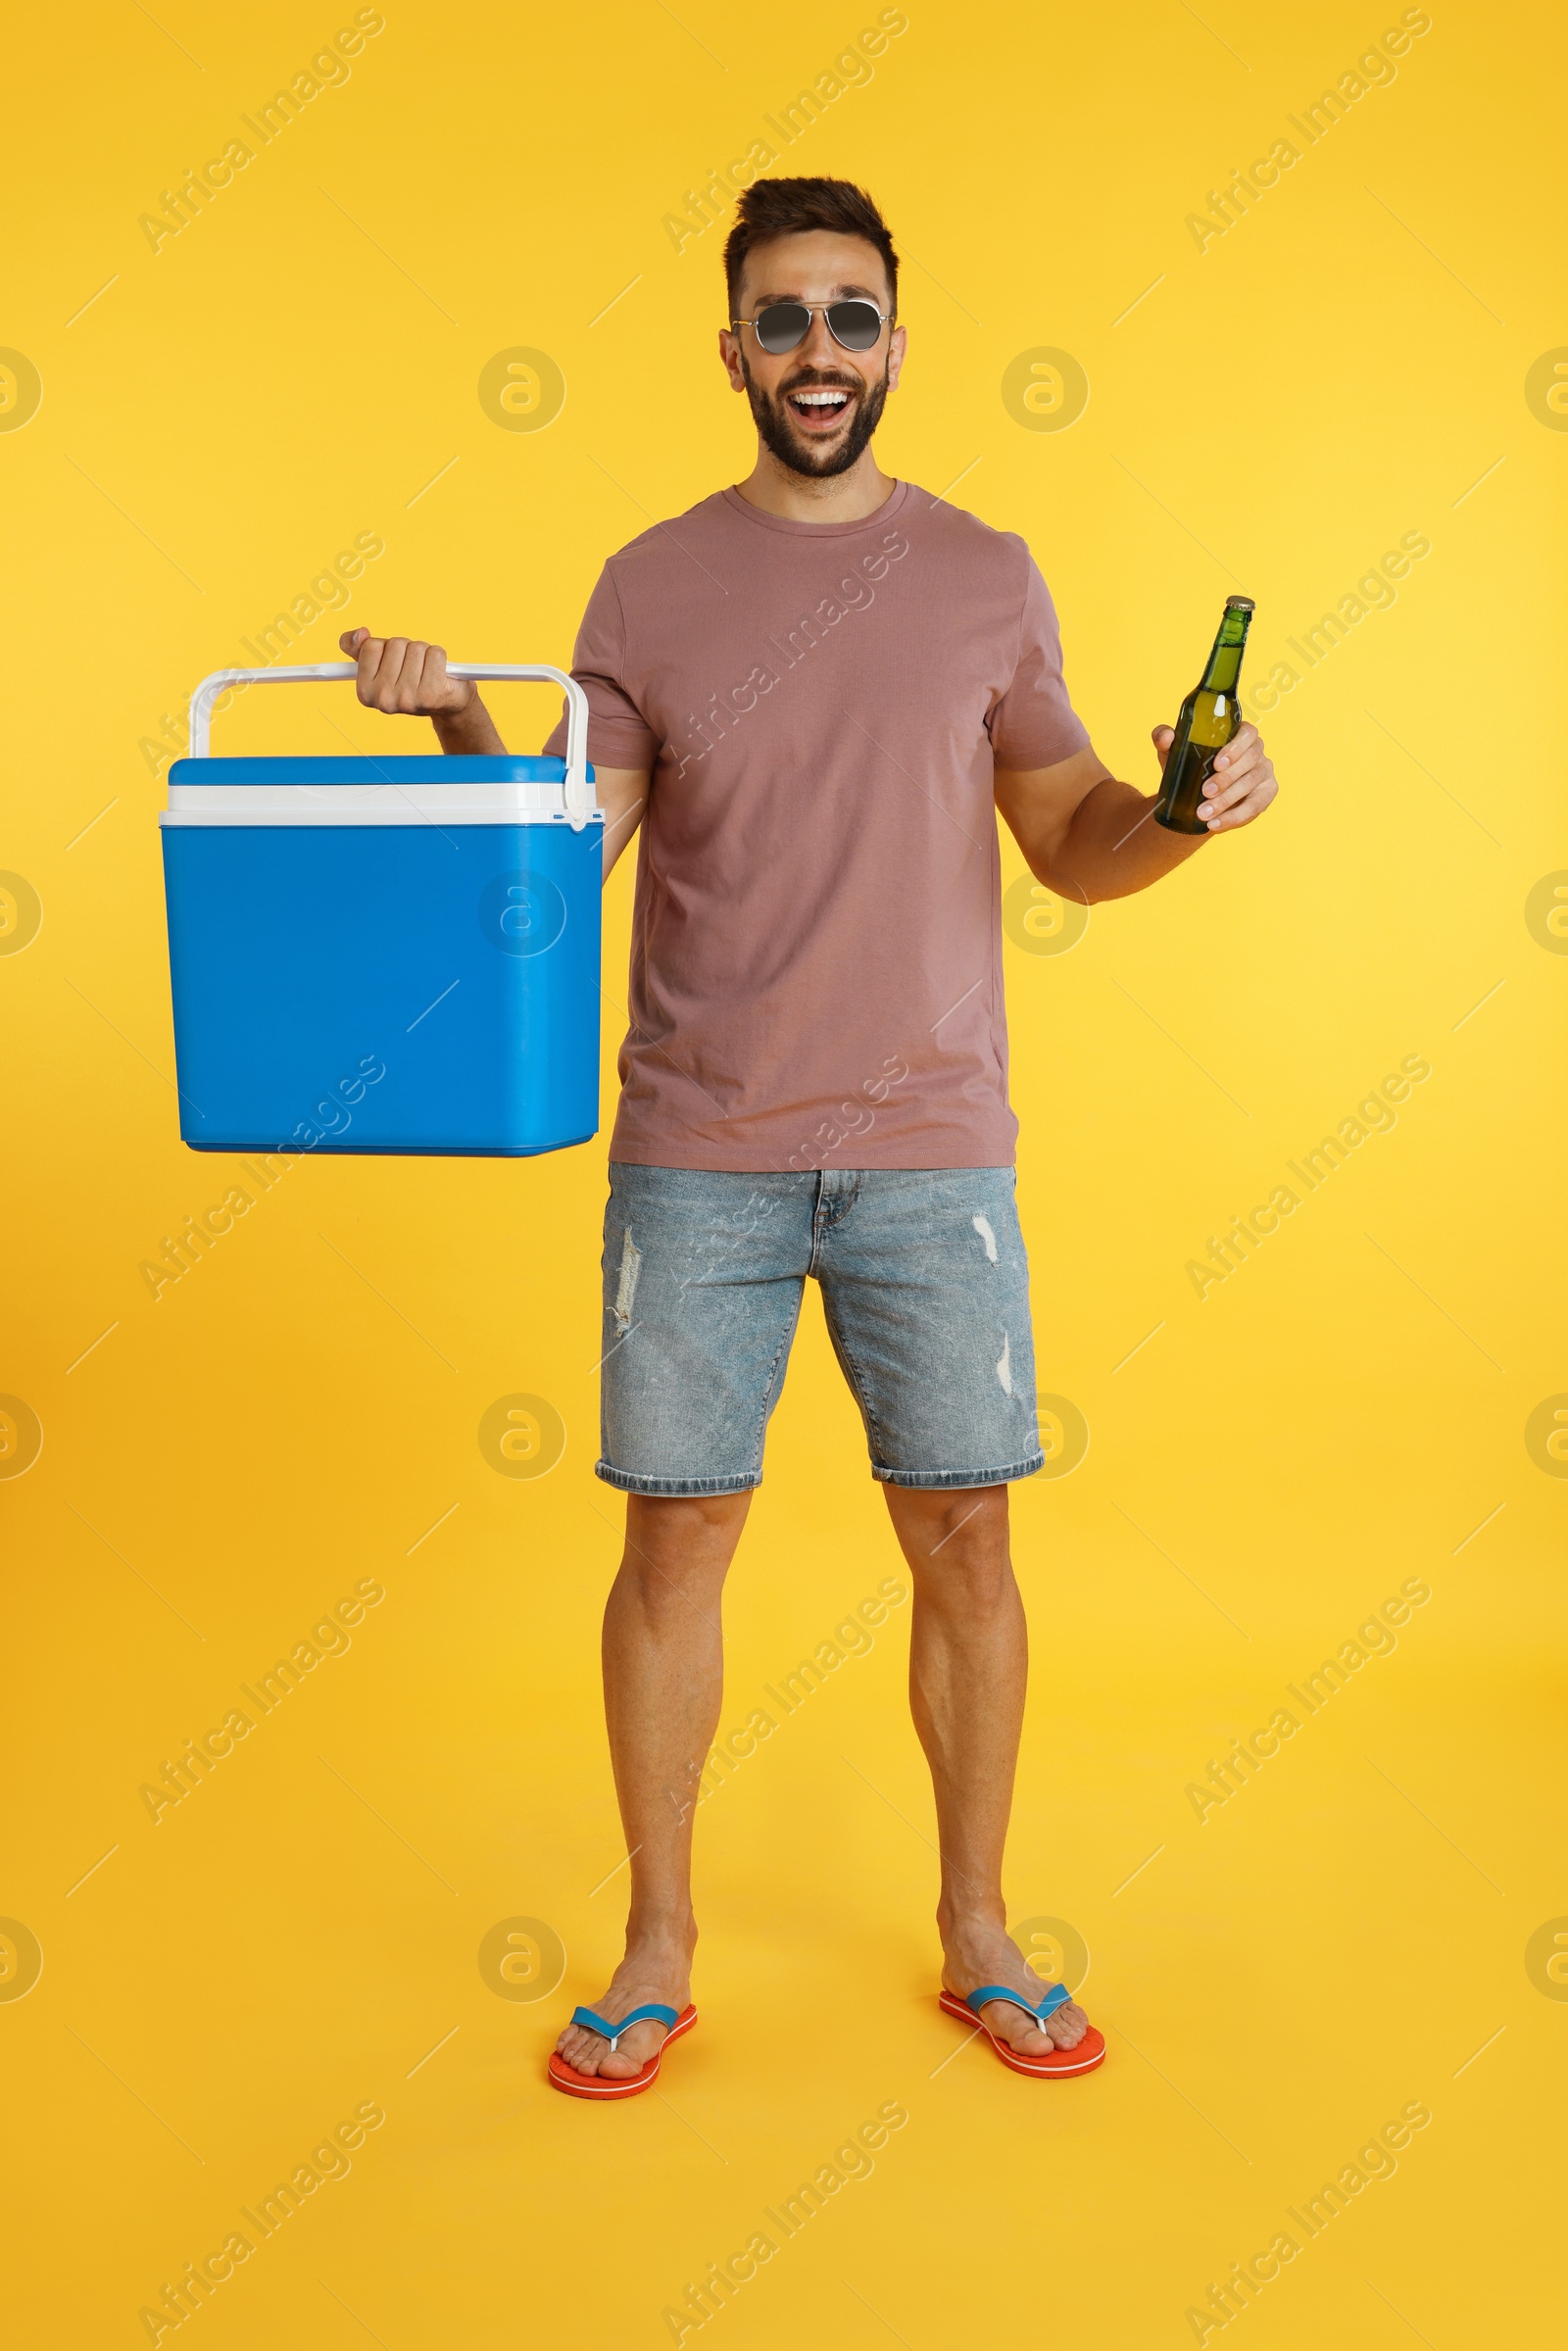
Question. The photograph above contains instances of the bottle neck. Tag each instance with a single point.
(1225, 660)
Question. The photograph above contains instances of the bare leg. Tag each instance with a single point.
(663, 1679)
(968, 1664)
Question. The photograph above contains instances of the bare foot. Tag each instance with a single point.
(649, 1972)
(975, 1953)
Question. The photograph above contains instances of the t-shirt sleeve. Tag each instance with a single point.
(1033, 723)
(619, 735)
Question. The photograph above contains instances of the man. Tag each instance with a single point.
(811, 691)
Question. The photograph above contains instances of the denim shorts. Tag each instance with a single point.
(925, 1286)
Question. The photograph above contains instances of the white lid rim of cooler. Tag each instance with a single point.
(303, 804)
(177, 820)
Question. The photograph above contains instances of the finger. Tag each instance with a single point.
(410, 678)
(385, 686)
(1239, 766)
(1232, 764)
(1228, 798)
(1221, 792)
(1248, 811)
(1162, 736)
(1245, 810)
(369, 653)
(1246, 738)
(437, 690)
(406, 678)
(352, 639)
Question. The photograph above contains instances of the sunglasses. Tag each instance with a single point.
(854, 325)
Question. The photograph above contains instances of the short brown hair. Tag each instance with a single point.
(786, 207)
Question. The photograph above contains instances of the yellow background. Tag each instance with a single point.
(289, 1942)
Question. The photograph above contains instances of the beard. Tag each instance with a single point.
(777, 432)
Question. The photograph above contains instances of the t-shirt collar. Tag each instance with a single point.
(888, 511)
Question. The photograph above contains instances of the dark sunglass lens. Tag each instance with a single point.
(855, 324)
(782, 325)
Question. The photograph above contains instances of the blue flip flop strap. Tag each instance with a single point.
(1056, 1996)
(612, 2032)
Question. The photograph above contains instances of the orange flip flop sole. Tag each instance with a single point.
(1057, 2067)
(565, 2077)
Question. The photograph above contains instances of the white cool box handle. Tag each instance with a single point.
(579, 793)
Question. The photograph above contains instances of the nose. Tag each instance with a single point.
(819, 347)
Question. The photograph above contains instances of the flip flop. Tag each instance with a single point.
(565, 2077)
(1089, 2051)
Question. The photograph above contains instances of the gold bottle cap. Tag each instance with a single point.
(1239, 604)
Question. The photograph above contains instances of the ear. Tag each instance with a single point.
(898, 343)
(729, 351)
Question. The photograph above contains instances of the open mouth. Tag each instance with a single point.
(819, 408)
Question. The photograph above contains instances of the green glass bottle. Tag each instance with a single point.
(1210, 716)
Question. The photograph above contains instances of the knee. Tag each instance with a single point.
(957, 1543)
(965, 1519)
(678, 1544)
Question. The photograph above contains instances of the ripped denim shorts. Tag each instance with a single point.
(925, 1286)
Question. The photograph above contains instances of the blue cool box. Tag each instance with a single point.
(396, 955)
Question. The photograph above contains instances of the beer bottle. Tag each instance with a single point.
(1210, 716)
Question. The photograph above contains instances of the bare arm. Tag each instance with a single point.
(1086, 836)
(406, 677)
(623, 796)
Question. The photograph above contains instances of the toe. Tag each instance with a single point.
(1010, 2025)
(582, 2051)
(630, 2055)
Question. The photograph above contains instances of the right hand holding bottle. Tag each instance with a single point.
(403, 677)
(1242, 784)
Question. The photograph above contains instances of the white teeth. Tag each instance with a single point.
(819, 399)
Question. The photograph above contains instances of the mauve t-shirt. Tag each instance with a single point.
(816, 954)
